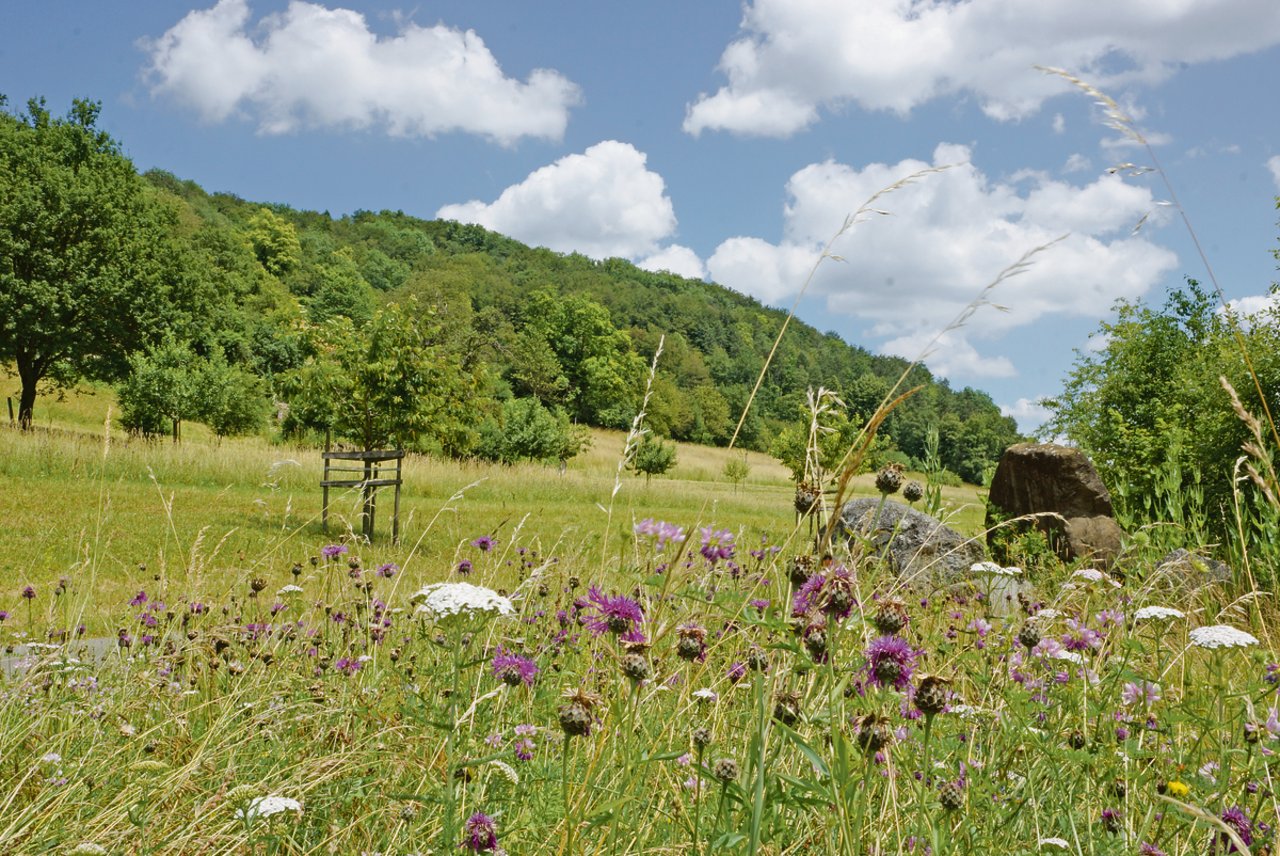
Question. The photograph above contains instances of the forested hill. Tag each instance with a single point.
(573, 333)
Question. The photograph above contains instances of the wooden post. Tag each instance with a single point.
(395, 514)
(324, 485)
(10, 400)
(367, 490)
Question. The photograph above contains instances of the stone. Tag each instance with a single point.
(919, 548)
(1061, 486)
(1183, 569)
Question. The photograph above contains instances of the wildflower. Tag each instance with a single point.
(662, 530)
(485, 543)
(737, 671)
(692, 642)
(889, 479)
(912, 491)
(1158, 613)
(268, 806)
(290, 589)
(1239, 822)
(138, 599)
(636, 666)
(725, 770)
(29, 592)
(706, 695)
(1221, 636)
(891, 617)
(1081, 638)
(440, 600)
(464, 567)
(388, 570)
(87, 848)
(951, 796)
(614, 613)
(759, 603)
(830, 593)
(717, 544)
(994, 569)
(348, 665)
(482, 835)
(1060, 843)
(513, 670)
(871, 732)
(1149, 849)
(1144, 691)
(4, 616)
(1093, 575)
(576, 714)
(889, 662)
(1177, 789)
(333, 551)
(932, 694)
(524, 749)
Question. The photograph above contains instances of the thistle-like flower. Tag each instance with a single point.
(612, 613)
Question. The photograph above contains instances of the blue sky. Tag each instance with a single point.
(730, 140)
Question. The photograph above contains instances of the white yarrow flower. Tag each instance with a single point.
(1158, 613)
(1060, 843)
(439, 600)
(1093, 575)
(994, 569)
(268, 806)
(1069, 656)
(1045, 615)
(88, 848)
(1221, 636)
(289, 589)
(706, 694)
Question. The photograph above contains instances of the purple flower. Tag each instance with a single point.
(485, 544)
(1235, 818)
(512, 669)
(333, 551)
(1081, 638)
(348, 665)
(737, 671)
(1148, 849)
(464, 567)
(388, 570)
(3, 615)
(613, 613)
(197, 608)
(29, 592)
(1145, 692)
(890, 661)
(481, 834)
(759, 603)
(716, 544)
(661, 530)
(139, 599)
(524, 749)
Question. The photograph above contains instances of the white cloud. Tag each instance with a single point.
(1029, 413)
(909, 275)
(1248, 308)
(676, 259)
(602, 203)
(1077, 163)
(1273, 164)
(314, 67)
(795, 57)
(1059, 123)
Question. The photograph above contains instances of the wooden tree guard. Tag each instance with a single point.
(370, 468)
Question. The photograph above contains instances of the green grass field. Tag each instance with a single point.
(204, 516)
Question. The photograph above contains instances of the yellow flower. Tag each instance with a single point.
(1178, 789)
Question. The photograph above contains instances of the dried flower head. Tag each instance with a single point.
(725, 770)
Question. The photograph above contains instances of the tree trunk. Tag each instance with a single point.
(26, 404)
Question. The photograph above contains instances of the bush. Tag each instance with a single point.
(527, 431)
(653, 457)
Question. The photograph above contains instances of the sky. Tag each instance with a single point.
(882, 165)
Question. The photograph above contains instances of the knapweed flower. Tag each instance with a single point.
(831, 593)
(440, 600)
(890, 660)
(661, 530)
(513, 670)
(485, 544)
(613, 613)
(1221, 636)
(388, 570)
(1158, 613)
(333, 551)
(1239, 822)
(268, 806)
(29, 592)
(481, 834)
(464, 567)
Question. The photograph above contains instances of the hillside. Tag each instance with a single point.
(574, 333)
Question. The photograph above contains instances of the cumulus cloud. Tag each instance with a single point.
(1255, 309)
(907, 276)
(1077, 163)
(1273, 164)
(602, 203)
(676, 259)
(315, 67)
(1029, 413)
(796, 57)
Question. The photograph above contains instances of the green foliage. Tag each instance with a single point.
(527, 431)
(232, 400)
(398, 382)
(163, 390)
(90, 271)
(653, 457)
(1149, 409)
(275, 242)
(736, 469)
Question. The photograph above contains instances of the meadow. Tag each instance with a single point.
(585, 663)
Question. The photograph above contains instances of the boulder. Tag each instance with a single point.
(919, 548)
(1060, 485)
(1183, 569)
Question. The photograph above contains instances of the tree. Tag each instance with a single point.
(89, 272)
(736, 470)
(653, 457)
(162, 391)
(395, 382)
(528, 431)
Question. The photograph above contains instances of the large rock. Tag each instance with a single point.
(1061, 486)
(919, 548)
(1182, 570)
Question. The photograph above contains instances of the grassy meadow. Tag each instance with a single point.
(584, 684)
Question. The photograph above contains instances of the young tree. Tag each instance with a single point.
(736, 470)
(653, 457)
(89, 272)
